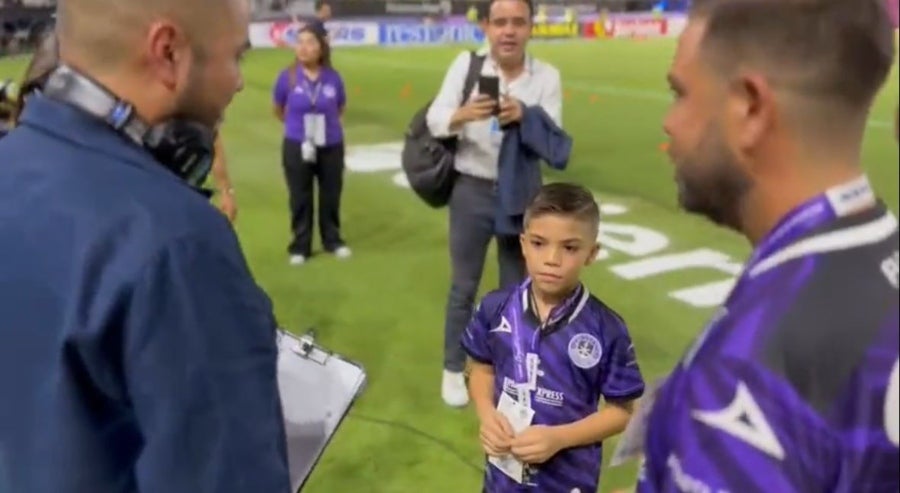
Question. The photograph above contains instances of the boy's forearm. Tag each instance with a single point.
(606, 423)
(481, 388)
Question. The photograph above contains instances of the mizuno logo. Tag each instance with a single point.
(743, 419)
(503, 327)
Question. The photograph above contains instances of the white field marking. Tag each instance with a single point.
(641, 252)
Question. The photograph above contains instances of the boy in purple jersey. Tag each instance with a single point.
(793, 386)
(549, 350)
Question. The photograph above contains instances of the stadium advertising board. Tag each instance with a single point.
(409, 34)
(594, 30)
(650, 27)
(628, 27)
(279, 34)
(555, 30)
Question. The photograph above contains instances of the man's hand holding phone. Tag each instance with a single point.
(478, 108)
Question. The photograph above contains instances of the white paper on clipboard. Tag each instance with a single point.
(317, 389)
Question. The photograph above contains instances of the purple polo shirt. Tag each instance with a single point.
(324, 95)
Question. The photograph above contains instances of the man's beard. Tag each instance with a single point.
(190, 104)
(710, 183)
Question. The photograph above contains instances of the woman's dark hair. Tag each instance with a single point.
(42, 64)
(324, 52)
(324, 46)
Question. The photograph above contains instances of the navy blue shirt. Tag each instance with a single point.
(136, 351)
(585, 353)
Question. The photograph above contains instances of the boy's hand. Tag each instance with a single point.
(496, 434)
(536, 444)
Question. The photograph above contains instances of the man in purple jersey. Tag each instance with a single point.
(549, 350)
(793, 386)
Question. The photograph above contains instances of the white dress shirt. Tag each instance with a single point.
(479, 146)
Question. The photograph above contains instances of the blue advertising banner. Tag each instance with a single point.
(407, 34)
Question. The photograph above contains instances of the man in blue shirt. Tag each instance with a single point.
(549, 349)
(793, 386)
(136, 351)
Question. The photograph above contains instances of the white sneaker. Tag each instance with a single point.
(297, 260)
(343, 252)
(453, 389)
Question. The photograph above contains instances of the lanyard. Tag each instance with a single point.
(525, 367)
(312, 91)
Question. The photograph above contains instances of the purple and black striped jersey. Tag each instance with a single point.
(793, 386)
(584, 353)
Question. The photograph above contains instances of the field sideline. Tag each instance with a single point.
(662, 270)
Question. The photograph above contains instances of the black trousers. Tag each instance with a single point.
(328, 171)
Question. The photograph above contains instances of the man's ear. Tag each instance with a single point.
(162, 43)
(752, 108)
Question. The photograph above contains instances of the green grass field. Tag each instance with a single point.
(384, 308)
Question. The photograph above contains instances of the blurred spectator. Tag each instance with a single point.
(22, 24)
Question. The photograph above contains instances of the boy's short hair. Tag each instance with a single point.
(565, 199)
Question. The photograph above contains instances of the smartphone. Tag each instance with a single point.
(489, 85)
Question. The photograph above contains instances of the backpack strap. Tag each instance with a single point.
(476, 62)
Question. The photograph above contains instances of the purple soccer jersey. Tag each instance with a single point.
(584, 353)
(793, 385)
(325, 96)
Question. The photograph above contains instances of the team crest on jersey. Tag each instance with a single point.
(585, 351)
(328, 91)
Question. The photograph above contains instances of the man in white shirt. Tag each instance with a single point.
(474, 203)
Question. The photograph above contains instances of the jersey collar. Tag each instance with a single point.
(562, 314)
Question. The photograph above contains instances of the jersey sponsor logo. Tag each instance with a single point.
(549, 397)
(744, 420)
(630, 251)
(585, 351)
(329, 91)
(542, 395)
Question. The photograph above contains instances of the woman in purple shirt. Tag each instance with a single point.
(309, 99)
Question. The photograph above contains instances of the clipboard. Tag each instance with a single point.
(317, 389)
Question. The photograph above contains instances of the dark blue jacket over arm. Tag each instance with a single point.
(535, 138)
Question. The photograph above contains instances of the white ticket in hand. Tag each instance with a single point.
(519, 418)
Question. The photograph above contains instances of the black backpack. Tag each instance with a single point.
(428, 161)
